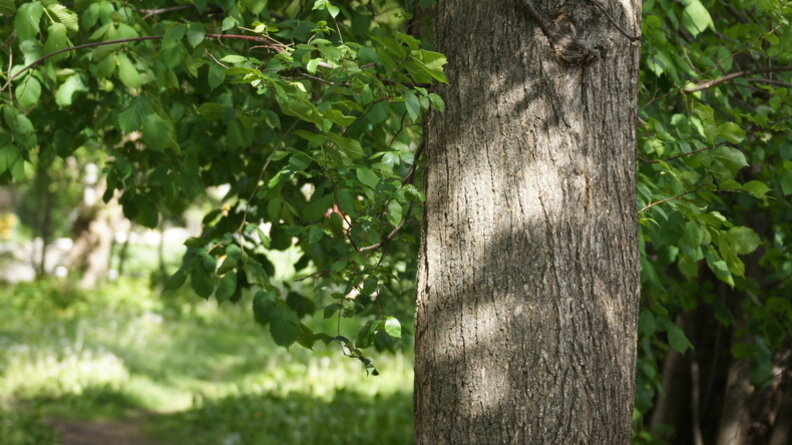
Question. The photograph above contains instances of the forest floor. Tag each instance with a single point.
(105, 432)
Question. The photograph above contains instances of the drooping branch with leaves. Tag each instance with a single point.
(310, 112)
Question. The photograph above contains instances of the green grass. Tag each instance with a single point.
(199, 374)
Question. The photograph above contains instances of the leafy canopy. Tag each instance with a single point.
(308, 110)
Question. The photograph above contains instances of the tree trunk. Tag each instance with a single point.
(93, 241)
(528, 273)
(735, 419)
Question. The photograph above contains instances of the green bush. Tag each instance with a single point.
(23, 426)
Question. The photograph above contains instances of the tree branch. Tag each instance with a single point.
(392, 232)
(711, 83)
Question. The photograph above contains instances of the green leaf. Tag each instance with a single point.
(301, 305)
(732, 158)
(64, 15)
(316, 209)
(312, 65)
(719, 267)
(216, 76)
(327, 6)
(392, 327)
(263, 306)
(9, 155)
(227, 287)
(28, 91)
(106, 67)
(743, 239)
(195, 34)
(367, 177)
(147, 215)
(126, 32)
(677, 339)
(128, 73)
(173, 36)
(176, 280)
(234, 58)
(228, 23)
(413, 105)
(646, 322)
(284, 326)
(786, 182)
(27, 20)
(696, 18)
(202, 281)
(157, 133)
(437, 102)
(394, 213)
(378, 113)
(757, 189)
(56, 39)
(228, 264)
(31, 50)
(731, 132)
(433, 63)
(331, 309)
(351, 147)
(131, 119)
(72, 84)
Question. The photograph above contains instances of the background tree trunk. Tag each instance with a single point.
(528, 276)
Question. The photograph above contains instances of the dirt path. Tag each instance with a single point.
(101, 432)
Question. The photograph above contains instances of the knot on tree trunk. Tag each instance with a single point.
(573, 30)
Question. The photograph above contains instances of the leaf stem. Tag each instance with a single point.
(713, 82)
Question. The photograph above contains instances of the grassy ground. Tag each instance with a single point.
(186, 372)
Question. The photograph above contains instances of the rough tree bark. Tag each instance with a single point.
(528, 275)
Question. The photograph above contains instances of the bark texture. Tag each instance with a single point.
(528, 277)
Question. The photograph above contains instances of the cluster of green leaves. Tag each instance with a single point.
(715, 177)
(308, 111)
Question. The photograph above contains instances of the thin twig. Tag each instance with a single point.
(392, 233)
(257, 186)
(657, 161)
(408, 179)
(215, 59)
(410, 176)
(10, 65)
(711, 83)
(650, 205)
(318, 273)
(149, 12)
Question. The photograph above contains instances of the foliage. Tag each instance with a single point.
(309, 113)
(714, 179)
